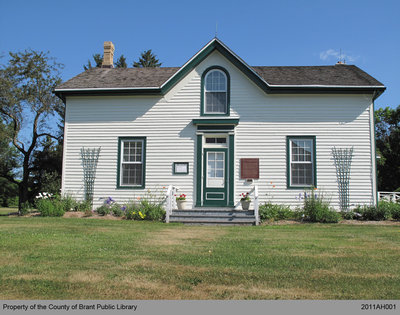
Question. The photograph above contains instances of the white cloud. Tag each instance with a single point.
(336, 55)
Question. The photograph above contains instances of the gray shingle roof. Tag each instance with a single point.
(337, 75)
(96, 78)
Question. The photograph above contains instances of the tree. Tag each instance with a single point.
(26, 102)
(8, 193)
(8, 154)
(8, 166)
(147, 59)
(121, 62)
(98, 59)
(46, 167)
(387, 126)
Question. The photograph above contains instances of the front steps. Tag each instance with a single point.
(213, 216)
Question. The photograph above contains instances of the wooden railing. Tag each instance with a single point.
(254, 192)
(391, 196)
(169, 201)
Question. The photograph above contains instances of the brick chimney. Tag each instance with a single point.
(108, 57)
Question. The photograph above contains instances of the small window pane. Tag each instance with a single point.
(132, 174)
(211, 156)
(216, 102)
(132, 151)
(219, 173)
(302, 174)
(215, 81)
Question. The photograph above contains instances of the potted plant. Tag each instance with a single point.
(181, 201)
(245, 201)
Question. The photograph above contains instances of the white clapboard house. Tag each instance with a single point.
(216, 128)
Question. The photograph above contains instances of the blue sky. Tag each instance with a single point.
(263, 33)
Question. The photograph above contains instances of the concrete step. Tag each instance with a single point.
(213, 217)
(213, 212)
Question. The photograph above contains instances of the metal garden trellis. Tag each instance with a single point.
(342, 158)
(90, 157)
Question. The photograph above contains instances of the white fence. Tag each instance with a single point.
(389, 196)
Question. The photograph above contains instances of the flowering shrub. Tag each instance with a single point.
(245, 197)
(134, 212)
(49, 206)
(316, 209)
(144, 210)
(44, 195)
(111, 207)
(180, 197)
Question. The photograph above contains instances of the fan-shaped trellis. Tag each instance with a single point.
(342, 158)
(90, 157)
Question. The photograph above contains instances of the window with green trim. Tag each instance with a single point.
(215, 91)
(301, 162)
(131, 162)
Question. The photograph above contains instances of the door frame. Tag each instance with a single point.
(209, 190)
(230, 171)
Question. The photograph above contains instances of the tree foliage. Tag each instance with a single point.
(8, 154)
(98, 60)
(387, 126)
(121, 62)
(46, 167)
(147, 59)
(26, 104)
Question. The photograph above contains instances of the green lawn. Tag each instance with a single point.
(7, 210)
(60, 258)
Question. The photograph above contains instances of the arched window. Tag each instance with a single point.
(216, 96)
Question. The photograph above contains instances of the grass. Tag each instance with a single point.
(4, 211)
(59, 258)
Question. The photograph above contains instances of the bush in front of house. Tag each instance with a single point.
(395, 210)
(389, 209)
(103, 210)
(69, 203)
(110, 207)
(144, 210)
(49, 206)
(133, 212)
(350, 215)
(270, 211)
(152, 211)
(373, 213)
(316, 209)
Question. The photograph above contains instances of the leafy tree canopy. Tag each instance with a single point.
(8, 154)
(387, 126)
(26, 103)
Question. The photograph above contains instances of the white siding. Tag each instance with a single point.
(265, 121)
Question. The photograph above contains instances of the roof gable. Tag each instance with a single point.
(214, 44)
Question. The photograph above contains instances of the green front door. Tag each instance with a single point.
(215, 180)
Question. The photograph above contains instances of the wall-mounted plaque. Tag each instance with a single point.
(181, 167)
(249, 168)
